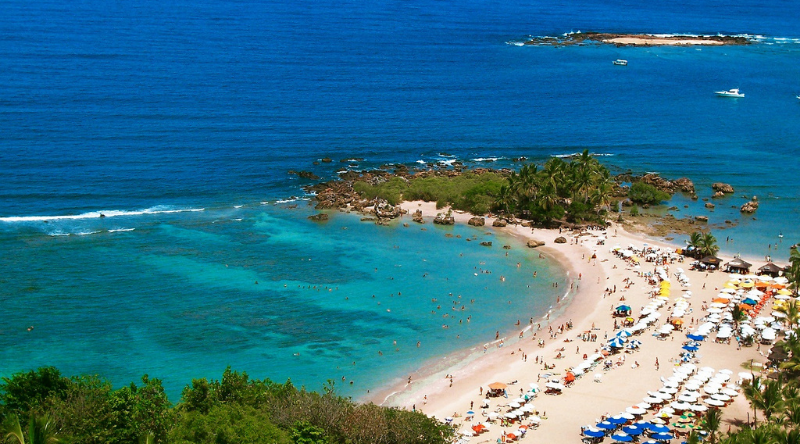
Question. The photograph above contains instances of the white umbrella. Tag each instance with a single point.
(555, 386)
(698, 408)
(745, 375)
(687, 398)
(519, 400)
(711, 389)
(492, 415)
(510, 415)
(535, 419)
(635, 410)
(669, 390)
(721, 397)
(625, 415)
(652, 400)
(680, 405)
(534, 386)
(514, 405)
(714, 402)
(729, 392)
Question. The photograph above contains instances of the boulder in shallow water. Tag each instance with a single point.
(533, 243)
(701, 218)
(417, 217)
(710, 206)
(477, 221)
(724, 187)
(486, 243)
(444, 219)
(321, 217)
(749, 207)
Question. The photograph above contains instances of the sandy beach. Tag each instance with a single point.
(647, 41)
(601, 281)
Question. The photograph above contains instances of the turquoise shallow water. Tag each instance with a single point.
(266, 291)
(146, 112)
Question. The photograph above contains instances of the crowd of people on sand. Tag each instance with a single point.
(688, 392)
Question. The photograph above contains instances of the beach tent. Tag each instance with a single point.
(738, 266)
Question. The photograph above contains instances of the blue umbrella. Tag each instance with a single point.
(695, 337)
(662, 436)
(624, 333)
(691, 348)
(605, 425)
(623, 308)
(658, 428)
(593, 433)
(644, 425)
(621, 437)
(616, 343)
(633, 430)
(750, 301)
(617, 420)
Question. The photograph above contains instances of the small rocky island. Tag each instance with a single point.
(584, 38)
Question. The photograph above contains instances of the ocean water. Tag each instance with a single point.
(179, 121)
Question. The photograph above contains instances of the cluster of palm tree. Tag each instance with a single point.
(793, 274)
(703, 244)
(580, 189)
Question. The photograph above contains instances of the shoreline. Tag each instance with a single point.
(584, 307)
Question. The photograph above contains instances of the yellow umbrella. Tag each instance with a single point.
(731, 284)
(747, 285)
(784, 292)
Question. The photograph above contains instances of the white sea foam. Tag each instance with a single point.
(79, 233)
(98, 214)
(422, 162)
(237, 206)
(487, 159)
(117, 230)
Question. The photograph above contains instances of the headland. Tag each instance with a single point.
(620, 39)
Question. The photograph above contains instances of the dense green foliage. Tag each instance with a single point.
(475, 193)
(579, 190)
(44, 406)
(644, 193)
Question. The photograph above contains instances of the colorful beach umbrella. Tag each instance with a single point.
(622, 437)
(593, 433)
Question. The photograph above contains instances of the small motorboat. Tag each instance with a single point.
(621, 62)
(730, 93)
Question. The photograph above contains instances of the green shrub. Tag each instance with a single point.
(643, 193)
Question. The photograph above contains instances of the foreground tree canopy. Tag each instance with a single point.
(43, 406)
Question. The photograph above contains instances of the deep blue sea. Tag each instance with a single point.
(179, 120)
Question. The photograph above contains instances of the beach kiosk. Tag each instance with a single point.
(738, 266)
(770, 270)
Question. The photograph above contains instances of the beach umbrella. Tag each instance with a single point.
(535, 419)
(690, 348)
(514, 405)
(662, 436)
(623, 308)
(698, 408)
(510, 415)
(554, 386)
(652, 400)
(657, 428)
(624, 333)
(634, 410)
(622, 437)
(593, 433)
(534, 386)
(470, 413)
(721, 397)
(695, 337)
(519, 400)
(497, 386)
(605, 425)
(616, 343)
(626, 415)
(714, 402)
(617, 420)
(493, 415)
(729, 391)
(633, 430)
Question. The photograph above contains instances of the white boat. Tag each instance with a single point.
(621, 62)
(730, 93)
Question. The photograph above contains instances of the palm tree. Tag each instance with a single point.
(41, 430)
(794, 269)
(713, 420)
(694, 241)
(708, 245)
(752, 392)
(792, 311)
